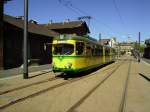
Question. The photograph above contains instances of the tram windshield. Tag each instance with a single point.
(63, 49)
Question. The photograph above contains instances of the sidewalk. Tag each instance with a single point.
(145, 69)
(146, 60)
(19, 70)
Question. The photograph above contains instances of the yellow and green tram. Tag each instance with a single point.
(73, 54)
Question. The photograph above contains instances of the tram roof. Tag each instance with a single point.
(80, 38)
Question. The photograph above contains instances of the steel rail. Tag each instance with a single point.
(35, 83)
(12, 102)
(28, 85)
(72, 109)
(124, 95)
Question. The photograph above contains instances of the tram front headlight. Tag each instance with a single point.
(69, 64)
(53, 65)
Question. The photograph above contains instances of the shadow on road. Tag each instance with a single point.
(81, 74)
(144, 76)
(39, 74)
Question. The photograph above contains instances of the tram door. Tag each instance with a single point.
(88, 54)
(48, 52)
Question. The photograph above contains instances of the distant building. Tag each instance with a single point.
(147, 42)
(39, 38)
(113, 43)
(108, 42)
(69, 27)
(104, 41)
(125, 47)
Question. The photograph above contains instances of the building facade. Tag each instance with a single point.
(147, 49)
(69, 27)
(125, 48)
(39, 37)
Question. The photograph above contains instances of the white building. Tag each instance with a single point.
(109, 42)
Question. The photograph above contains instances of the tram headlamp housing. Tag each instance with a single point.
(69, 64)
(53, 65)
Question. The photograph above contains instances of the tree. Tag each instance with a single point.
(135, 45)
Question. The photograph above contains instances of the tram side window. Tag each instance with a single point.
(88, 51)
(114, 52)
(98, 51)
(93, 50)
(107, 52)
(79, 48)
(101, 51)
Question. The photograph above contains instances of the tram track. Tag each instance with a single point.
(72, 109)
(125, 90)
(37, 83)
(41, 91)
(28, 85)
(124, 94)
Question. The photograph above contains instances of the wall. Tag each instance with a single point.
(1, 35)
(13, 47)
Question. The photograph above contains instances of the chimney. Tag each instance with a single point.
(20, 17)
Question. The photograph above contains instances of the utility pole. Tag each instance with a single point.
(128, 39)
(25, 48)
(100, 37)
(139, 40)
(118, 52)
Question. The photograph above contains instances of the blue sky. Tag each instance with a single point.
(111, 18)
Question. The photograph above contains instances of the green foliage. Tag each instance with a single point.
(114, 39)
(142, 48)
(136, 46)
